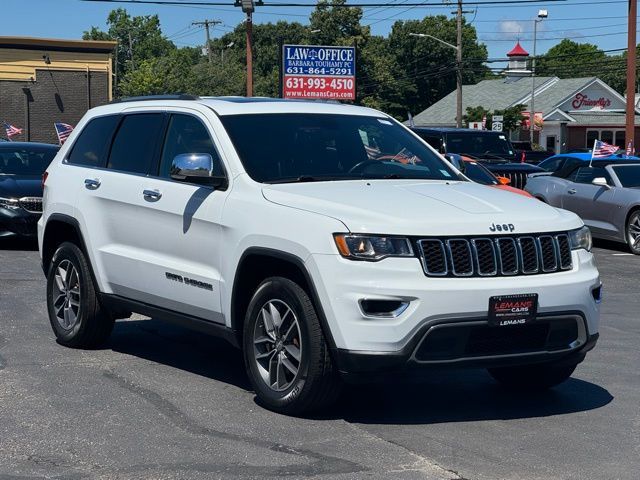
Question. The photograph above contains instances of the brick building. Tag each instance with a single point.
(43, 81)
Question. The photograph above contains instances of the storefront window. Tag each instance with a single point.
(607, 136)
(592, 136)
(620, 139)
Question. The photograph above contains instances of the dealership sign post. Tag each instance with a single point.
(318, 72)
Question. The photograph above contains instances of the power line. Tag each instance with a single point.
(207, 24)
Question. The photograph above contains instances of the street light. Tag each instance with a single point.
(458, 50)
(542, 14)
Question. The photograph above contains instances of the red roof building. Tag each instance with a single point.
(518, 51)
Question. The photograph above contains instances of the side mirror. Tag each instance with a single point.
(600, 182)
(503, 180)
(455, 160)
(196, 168)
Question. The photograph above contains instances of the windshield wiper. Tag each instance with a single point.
(311, 178)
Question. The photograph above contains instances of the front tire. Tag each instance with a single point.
(536, 377)
(286, 355)
(632, 231)
(77, 318)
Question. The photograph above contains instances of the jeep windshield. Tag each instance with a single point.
(304, 147)
(481, 145)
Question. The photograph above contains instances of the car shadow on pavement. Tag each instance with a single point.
(19, 243)
(458, 395)
(451, 395)
(610, 245)
(181, 348)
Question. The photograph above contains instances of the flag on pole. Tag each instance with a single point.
(11, 130)
(63, 130)
(484, 122)
(411, 122)
(603, 149)
(630, 150)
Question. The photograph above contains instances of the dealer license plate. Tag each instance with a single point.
(507, 310)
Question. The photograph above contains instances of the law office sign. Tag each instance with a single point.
(318, 72)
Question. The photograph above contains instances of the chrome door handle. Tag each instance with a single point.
(92, 183)
(152, 195)
(572, 191)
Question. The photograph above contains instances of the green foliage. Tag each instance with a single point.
(476, 114)
(569, 59)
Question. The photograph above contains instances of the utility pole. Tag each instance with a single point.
(542, 14)
(206, 24)
(631, 74)
(133, 65)
(459, 67)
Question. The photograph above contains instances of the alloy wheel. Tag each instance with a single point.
(633, 232)
(277, 345)
(66, 295)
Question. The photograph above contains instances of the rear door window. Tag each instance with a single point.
(92, 145)
(135, 145)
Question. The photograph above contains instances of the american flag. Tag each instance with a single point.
(630, 150)
(63, 130)
(11, 130)
(603, 149)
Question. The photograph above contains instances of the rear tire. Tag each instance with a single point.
(632, 232)
(77, 318)
(285, 351)
(535, 377)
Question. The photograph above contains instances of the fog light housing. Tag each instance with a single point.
(383, 308)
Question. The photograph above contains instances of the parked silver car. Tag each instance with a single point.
(605, 193)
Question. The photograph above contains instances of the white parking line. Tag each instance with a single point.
(621, 254)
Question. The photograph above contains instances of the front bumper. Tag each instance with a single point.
(435, 303)
(18, 222)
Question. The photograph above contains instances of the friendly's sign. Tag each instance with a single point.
(318, 72)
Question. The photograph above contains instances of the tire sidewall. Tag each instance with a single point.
(633, 216)
(72, 253)
(277, 289)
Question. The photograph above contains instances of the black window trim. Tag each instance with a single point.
(157, 176)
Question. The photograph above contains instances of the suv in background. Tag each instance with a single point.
(493, 149)
(526, 153)
(326, 241)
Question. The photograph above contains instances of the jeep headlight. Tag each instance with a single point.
(372, 247)
(581, 238)
(9, 203)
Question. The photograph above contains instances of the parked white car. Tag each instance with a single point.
(327, 241)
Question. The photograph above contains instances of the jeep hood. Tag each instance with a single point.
(405, 207)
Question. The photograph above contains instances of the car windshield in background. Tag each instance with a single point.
(30, 161)
(321, 147)
(478, 173)
(629, 175)
(479, 144)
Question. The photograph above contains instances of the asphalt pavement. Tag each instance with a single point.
(161, 402)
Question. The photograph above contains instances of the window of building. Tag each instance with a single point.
(134, 147)
(610, 136)
(92, 146)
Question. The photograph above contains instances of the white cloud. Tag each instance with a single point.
(511, 27)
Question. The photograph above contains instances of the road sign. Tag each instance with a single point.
(497, 118)
(496, 126)
(318, 72)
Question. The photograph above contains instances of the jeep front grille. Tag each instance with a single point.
(495, 256)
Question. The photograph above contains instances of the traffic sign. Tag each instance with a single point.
(496, 126)
(319, 72)
(497, 118)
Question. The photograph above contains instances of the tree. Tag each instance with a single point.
(476, 114)
(139, 38)
(427, 67)
(512, 116)
(569, 59)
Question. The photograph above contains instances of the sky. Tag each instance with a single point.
(602, 22)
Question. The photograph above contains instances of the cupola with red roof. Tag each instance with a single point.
(518, 57)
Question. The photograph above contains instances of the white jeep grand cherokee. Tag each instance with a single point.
(327, 241)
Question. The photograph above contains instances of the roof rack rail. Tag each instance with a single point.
(141, 98)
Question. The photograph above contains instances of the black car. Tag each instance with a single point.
(493, 149)
(21, 167)
(529, 155)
